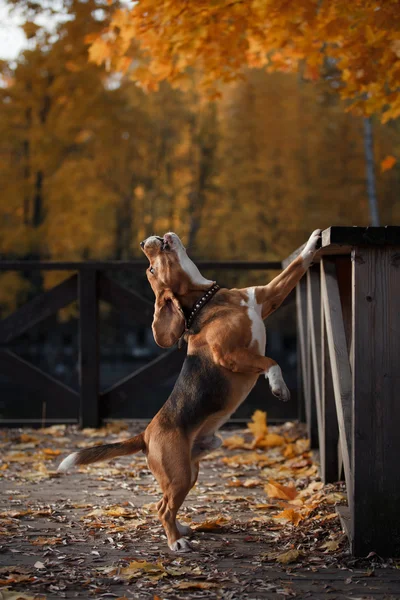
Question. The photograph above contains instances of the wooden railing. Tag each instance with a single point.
(89, 284)
(348, 309)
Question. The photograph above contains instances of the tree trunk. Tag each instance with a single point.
(38, 209)
(370, 172)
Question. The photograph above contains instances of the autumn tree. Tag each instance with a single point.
(355, 44)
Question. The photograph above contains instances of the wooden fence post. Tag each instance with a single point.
(376, 408)
(89, 348)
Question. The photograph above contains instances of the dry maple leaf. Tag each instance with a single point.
(271, 440)
(258, 425)
(142, 567)
(196, 585)
(331, 545)
(212, 524)
(288, 557)
(235, 442)
(290, 515)
(44, 541)
(277, 490)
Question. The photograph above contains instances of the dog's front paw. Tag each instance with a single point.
(181, 545)
(281, 391)
(310, 248)
(277, 384)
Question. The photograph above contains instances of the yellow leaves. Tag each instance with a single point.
(271, 440)
(250, 458)
(277, 490)
(289, 557)
(258, 425)
(46, 541)
(152, 571)
(138, 568)
(51, 452)
(291, 515)
(387, 163)
(331, 545)
(222, 38)
(100, 51)
(259, 428)
(196, 585)
(212, 524)
(114, 512)
(234, 442)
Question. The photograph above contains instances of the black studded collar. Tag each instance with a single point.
(200, 304)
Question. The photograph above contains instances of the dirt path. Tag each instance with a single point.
(93, 533)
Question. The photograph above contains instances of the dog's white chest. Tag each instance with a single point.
(258, 334)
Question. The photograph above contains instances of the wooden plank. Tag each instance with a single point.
(329, 433)
(376, 383)
(362, 236)
(345, 520)
(88, 349)
(339, 361)
(313, 352)
(343, 273)
(128, 265)
(314, 320)
(127, 301)
(38, 309)
(24, 372)
(341, 240)
(132, 387)
(301, 312)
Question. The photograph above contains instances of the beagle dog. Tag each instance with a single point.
(226, 340)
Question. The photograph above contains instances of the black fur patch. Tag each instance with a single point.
(200, 391)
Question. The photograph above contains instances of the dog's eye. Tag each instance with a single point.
(151, 270)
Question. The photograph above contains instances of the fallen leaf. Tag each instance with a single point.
(258, 425)
(212, 524)
(142, 567)
(289, 514)
(235, 442)
(331, 545)
(46, 541)
(196, 585)
(271, 440)
(288, 557)
(277, 490)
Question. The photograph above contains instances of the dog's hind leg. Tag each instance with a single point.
(171, 465)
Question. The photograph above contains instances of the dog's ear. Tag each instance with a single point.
(168, 321)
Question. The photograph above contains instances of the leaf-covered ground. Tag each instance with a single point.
(266, 527)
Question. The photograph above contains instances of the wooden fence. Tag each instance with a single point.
(89, 284)
(348, 309)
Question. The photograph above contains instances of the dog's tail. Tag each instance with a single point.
(105, 452)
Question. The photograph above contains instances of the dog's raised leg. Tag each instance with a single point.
(243, 360)
(272, 295)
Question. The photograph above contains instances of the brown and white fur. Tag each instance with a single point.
(225, 356)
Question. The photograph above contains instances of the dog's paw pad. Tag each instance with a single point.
(184, 530)
(181, 545)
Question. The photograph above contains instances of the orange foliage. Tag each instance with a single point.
(355, 42)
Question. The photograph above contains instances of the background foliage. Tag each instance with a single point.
(90, 164)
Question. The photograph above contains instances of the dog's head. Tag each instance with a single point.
(172, 275)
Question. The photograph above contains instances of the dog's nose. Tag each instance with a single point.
(142, 243)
